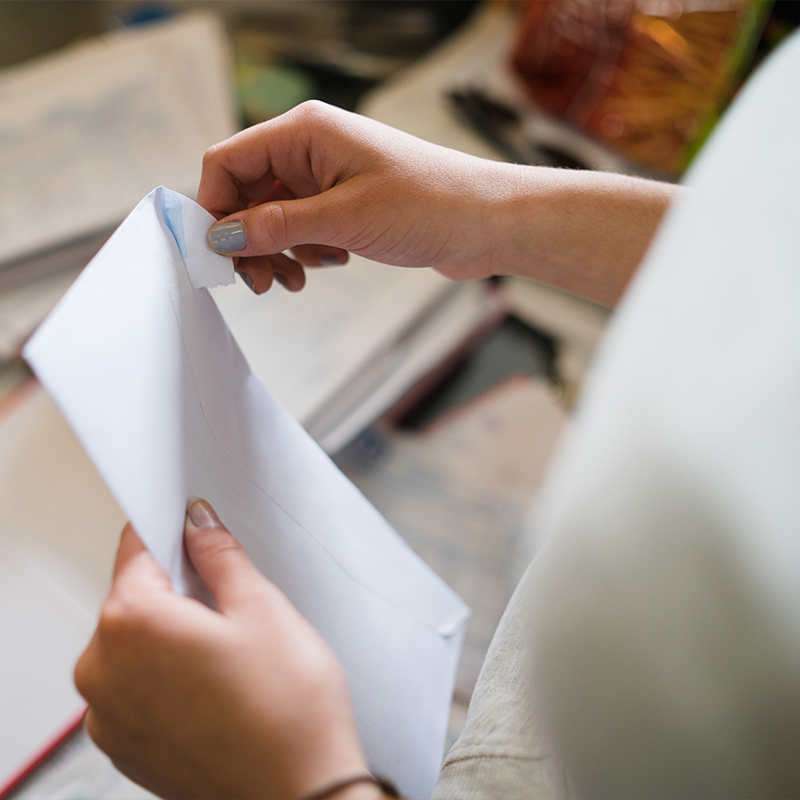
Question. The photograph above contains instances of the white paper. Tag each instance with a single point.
(35, 702)
(86, 131)
(57, 543)
(320, 340)
(149, 377)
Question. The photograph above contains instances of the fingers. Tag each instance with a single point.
(137, 581)
(278, 191)
(134, 562)
(92, 724)
(241, 169)
(280, 185)
(130, 545)
(280, 225)
(218, 557)
(258, 272)
(231, 165)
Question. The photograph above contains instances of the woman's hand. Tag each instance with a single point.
(247, 701)
(321, 182)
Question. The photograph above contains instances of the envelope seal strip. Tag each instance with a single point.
(189, 223)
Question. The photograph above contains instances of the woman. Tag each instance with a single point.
(663, 611)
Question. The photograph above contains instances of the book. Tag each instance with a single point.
(355, 341)
(57, 547)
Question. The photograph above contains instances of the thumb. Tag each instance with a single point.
(276, 226)
(218, 557)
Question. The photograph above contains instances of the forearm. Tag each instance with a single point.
(584, 232)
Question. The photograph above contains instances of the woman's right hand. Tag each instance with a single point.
(323, 182)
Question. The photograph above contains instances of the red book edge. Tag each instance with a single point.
(28, 768)
(7, 406)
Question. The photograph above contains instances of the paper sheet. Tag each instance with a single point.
(148, 375)
(86, 131)
(57, 543)
(330, 332)
(30, 601)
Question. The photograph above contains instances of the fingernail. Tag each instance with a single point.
(247, 279)
(330, 260)
(202, 515)
(281, 280)
(227, 237)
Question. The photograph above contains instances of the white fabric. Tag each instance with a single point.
(666, 600)
(504, 750)
(668, 620)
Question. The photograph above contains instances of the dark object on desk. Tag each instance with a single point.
(513, 349)
(526, 135)
(403, 28)
(502, 127)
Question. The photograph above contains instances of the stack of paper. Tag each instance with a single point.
(57, 542)
(88, 131)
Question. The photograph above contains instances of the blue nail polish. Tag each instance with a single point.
(227, 237)
(247, 279)
(281, 280)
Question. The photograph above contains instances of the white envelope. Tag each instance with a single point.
(144, 368)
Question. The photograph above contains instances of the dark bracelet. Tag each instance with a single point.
(386, 786)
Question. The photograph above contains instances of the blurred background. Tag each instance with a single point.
(284, 51)
(443, 402)
(678, 59)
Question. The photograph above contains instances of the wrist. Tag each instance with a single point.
(581, 231)
(511, 213)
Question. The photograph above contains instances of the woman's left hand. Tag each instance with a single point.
(246, 701)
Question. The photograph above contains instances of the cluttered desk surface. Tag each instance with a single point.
(362, 346)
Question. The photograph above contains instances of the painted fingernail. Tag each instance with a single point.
(247, 279)
(281, 280)
(227, 237)
(202, 515)
(330, 260)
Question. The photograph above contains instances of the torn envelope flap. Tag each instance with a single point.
(189, 224)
